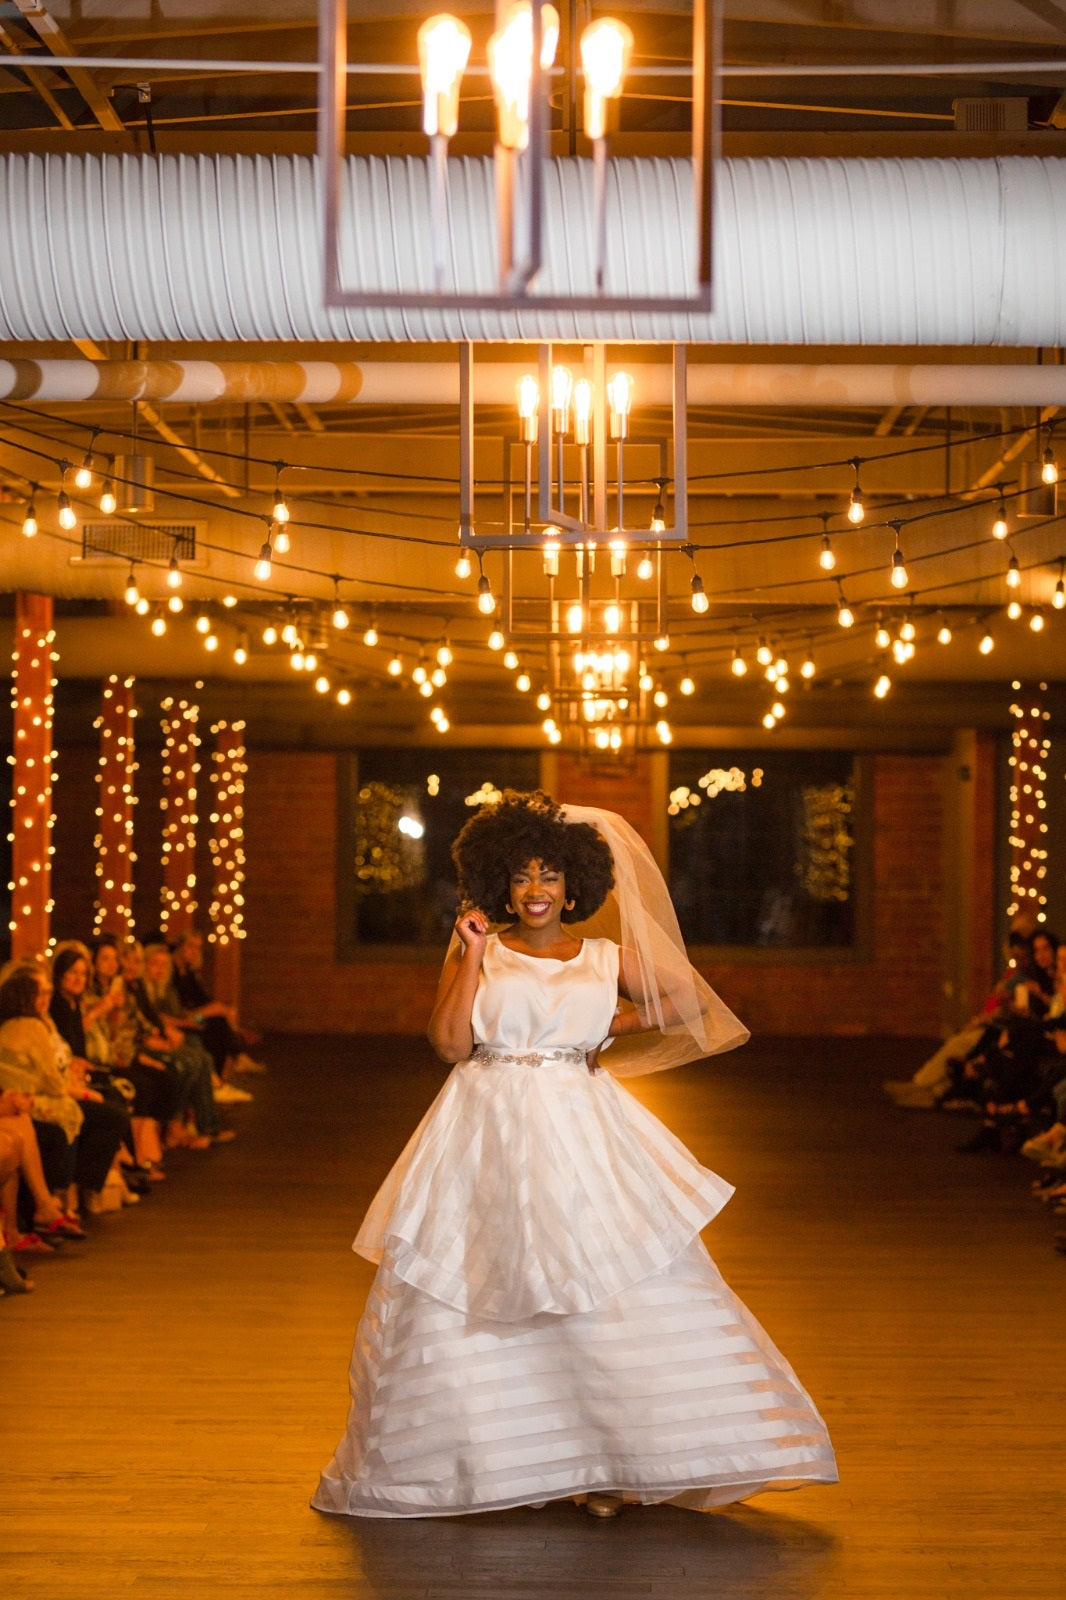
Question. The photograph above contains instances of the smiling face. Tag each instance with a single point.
(105, 963)
(1043, 952)
(72, 983)
(537, 894)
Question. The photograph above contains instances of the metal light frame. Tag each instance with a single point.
(518, 292)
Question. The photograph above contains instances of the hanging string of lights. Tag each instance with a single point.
(180, 768)
(33, 774)
(115, 776)
(228, 771)
(1030, 747)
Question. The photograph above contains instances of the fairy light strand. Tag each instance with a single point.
(115, 802)
(228, 772)
(181, 742)
(33, 761)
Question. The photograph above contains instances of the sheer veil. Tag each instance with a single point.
(689, 1020)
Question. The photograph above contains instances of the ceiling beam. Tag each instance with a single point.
(52, 36)
(36, 79)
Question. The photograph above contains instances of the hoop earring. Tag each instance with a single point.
(570, 904)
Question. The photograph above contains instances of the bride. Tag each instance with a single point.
(545, 1322)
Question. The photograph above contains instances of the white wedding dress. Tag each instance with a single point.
(545, 1321)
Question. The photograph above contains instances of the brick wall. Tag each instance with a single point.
(292, 981)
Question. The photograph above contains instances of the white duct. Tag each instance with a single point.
(825, 251)
(422, 383)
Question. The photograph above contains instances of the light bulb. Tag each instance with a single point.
(203, 623)
(108, 500)
(658, 515)
(943, 634)
(908, 631)
(781, 666)
(486, 604)
(496, 640)
(444, 655)
(1036, 621)
(882, 686)
(322, 684)
(687, 686)
(340, 618)
(420, 675)
(142, 607)
(1049, 467)
(856, 505)
(606, 47)
(67, 518)
(738, 666)
(395, 667)
(987, 645)
(664, 731)
(270, 634)
(344, 696)
(289, 634)
(310, 661)
(510, 660)
(562, 388)
(662, 642)
(778, 710)
(645, 569)
(29, 521)
(522, 682)
(899, 570)
(700, 602)
(159, 626)
(999, 527)
(575, 618)
(281, 541)
(296, 660)
(229, 601)
(781, 685)
(882, 638)
(133, 594)
(845, 615)
(370, 637)
(175, 604)
(211, 642)
(646, 683)
(438, 677)
(827, 560)
(661, 698)
(425, 689)
(551, 558)
(544, 701)
(281, 510)
(620, 398)
(1014, 610)
(1014, 576)
(528, 394)
(443, 52)
(173, 573)
(443, 724)
(612, 618)
(462, 566)
(240, 653)
(84, 476)
(511, 68)
(262, 565)
(1059, 597)
(808, 668)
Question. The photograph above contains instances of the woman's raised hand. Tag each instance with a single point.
(472, 929)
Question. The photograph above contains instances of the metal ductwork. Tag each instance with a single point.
(828, 251)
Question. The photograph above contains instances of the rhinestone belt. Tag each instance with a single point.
(527, 1058)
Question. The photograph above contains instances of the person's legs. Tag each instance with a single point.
(197, 1065)
(102, 1133)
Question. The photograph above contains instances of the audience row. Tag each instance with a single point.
(111, 1054)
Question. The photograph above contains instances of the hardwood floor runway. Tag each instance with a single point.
(173, 1387)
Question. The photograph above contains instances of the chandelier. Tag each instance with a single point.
(521, 65)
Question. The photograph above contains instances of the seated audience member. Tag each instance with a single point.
(140, 1054)
(216, 1022)
(21, 1169)
(42, 1062)
(190, 1057)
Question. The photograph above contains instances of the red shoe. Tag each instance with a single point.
(31, 1244)
(63, 1227)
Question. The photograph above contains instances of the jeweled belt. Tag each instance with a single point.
(527, 1058)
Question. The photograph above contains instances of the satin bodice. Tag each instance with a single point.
(538, 1003)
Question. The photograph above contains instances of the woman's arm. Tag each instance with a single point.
(451, 1031)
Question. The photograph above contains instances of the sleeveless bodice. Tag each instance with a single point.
(526, 1003)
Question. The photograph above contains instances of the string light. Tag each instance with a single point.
(808, 668)
(67, 517)
(1059, 598)
(1014, 577)
(370, 637)
(203, 623)
(1014, 610)
(510, 660)
(856, 504)
(175, 604)
(658, 515)
(181, 742)
(463, 568)
(438, 677)
(229, 601)
(899, 566)
(882, 686)
(229, 771)
(496, 640)
(340, 618)
(987, 644)
(240, 649)
(344, 696)
(687, 685)
(116, 768)
(1036, 621)
(262, 567)
(83, 478)
(882, 638)
(1049, 467)
(322, 684)
(738, 666)
(142, 607)
(826, 559)
(645, 568)
(395, 667)
(173, 571)
(764, 655)
(943, 635)
(444, 654)
(544, 701)
(1030, 747)
(270, 634)
(845, 615)
(33, 658)
(211, 642)
(664, 732)
(1000, 529)
(907, 631)
(661, 642)
(29, 521)
(522, 682)
(132, 593)
(486, 601)
(159, 625)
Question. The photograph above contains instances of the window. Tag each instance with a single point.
(400, 811)
(762, 847)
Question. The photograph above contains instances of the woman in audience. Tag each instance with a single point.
(30, 1044)
(21, 1166)
(190, 1057)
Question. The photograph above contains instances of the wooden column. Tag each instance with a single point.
(1028, 805)
(114, 810)
(228, 770)
(180, 768)
(31, 803)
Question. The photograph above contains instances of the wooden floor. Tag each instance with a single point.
(170, 1393)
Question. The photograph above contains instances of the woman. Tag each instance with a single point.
(545, 1322)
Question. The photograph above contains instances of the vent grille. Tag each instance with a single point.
(140, 541)
(1005, 115)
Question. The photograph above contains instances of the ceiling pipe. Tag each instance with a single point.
(822, 251)
(422, 383)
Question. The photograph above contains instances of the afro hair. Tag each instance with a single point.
(519, 828)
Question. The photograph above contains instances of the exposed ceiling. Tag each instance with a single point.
(373, 486)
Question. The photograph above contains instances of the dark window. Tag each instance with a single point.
(762, 847)
(400, 815)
